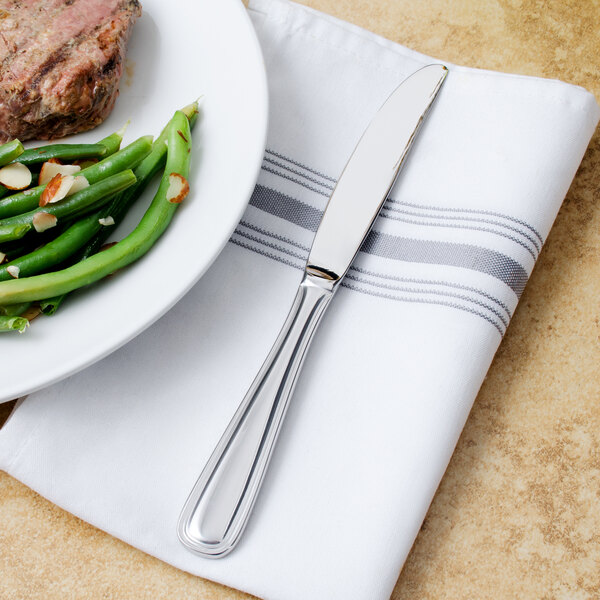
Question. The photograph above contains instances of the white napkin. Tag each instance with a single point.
(399, 358)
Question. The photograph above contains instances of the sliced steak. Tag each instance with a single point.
(60, 64)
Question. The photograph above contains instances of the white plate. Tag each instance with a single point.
(179, 50)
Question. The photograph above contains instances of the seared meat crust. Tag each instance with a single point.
(60, 64)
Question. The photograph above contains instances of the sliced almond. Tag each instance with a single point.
(13, 271)
(106, 221)
(80, 183)
(43, 220)
(56, 189)
(2, 257)
(31, 313)
(107, 246)
(51, 169)
(15, 176)
(178, 188)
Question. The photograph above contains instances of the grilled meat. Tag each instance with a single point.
(60, 64)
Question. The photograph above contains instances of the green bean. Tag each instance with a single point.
(144, 173)
(104, 148)
(191, 111)
(13, 324)
(34, 156)
(127, 158)
(117, 209)
(14, 310)
(13, 231)
(81, 202)
(112, 143)
(51, 305)
(55, 251)
(132, 247)
(10, 151)
(30, 241)
(19, 247)
(84, 163)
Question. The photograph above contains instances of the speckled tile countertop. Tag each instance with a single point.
(518, 512)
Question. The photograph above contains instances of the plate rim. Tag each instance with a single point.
(17, 392)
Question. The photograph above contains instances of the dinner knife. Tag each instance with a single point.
(218, 507)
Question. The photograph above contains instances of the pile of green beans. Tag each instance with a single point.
(42, 267)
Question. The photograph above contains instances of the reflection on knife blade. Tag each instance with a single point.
(370, 173)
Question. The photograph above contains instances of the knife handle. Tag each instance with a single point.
(221, 501)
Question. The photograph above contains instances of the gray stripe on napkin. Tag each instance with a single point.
(286, 207)
(259, 246)
(276, 163)
(464, 214)
(466, 256)
(301, 165)
(371, 274)
(308, 186)
(438, 220)
(253, 245)
(389, 206)
(435, 282)
(473, 211)
(512, 238)
(453, 305)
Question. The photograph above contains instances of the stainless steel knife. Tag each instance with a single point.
(217, 510)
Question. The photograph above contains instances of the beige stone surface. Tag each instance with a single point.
(518, 512)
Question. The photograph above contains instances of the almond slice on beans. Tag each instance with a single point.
(15, 176)
(107, 246)
(56, 189)
(31, 313)
(13, 271)
(106, 221)
(43, 220)
(79, 184)
(51, 169)
(2, 257)
(178, 188)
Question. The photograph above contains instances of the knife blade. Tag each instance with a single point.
(370, 173)
(220, 503)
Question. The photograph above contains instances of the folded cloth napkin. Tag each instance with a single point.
(398, 361)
